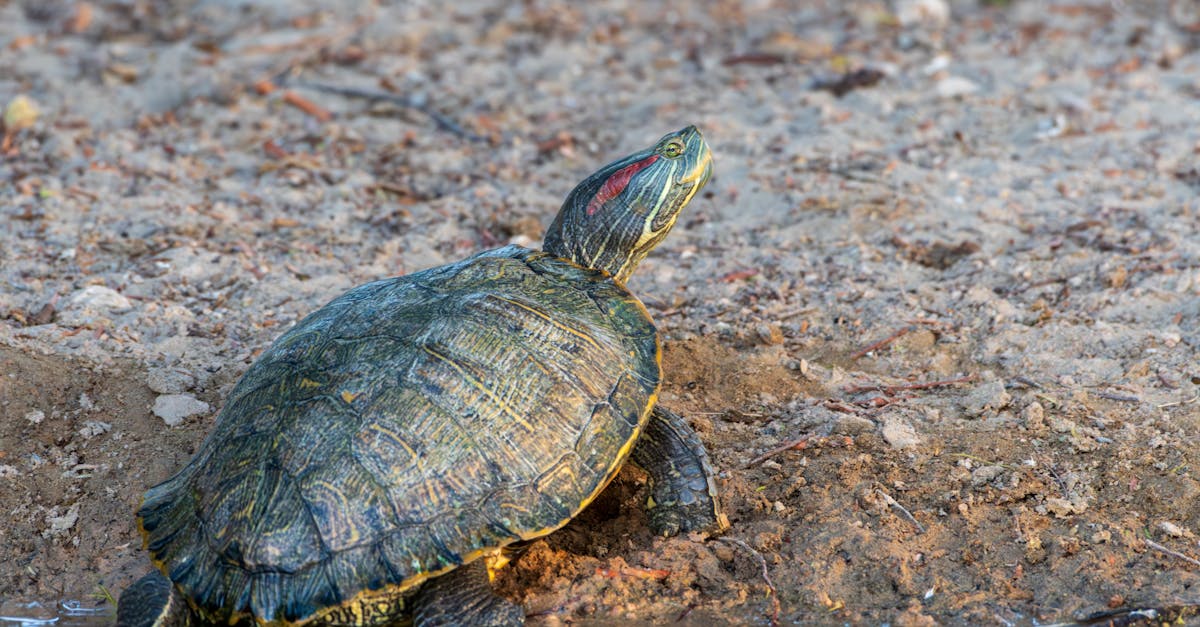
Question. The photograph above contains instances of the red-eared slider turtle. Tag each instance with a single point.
(379, 449)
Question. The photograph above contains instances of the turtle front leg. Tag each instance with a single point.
(464, 596)
(683, 488)
(152, 602)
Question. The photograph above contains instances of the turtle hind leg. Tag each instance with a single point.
(152, 602)
(464, 596)
(683, 488)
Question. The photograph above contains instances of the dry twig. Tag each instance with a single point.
(1183, 402)
(1113, 396)
(307, 106)
(800, 445)
(762, 564)
(892, 389)
(410, 102)
(903, 510)
(1176, 554)
(881, 343)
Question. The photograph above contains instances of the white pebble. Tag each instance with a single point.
(175, 408)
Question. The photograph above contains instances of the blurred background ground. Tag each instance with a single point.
(952, 249)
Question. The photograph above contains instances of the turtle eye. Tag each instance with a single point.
(673, 149)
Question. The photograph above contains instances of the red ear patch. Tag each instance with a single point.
(617, 183)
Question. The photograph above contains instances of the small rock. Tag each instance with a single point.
(169, 380)
(955, 86)
(21, 113)
(1061, 508)
(769, 333)
(922, 12)
(86, 403)
(100, 298)
(723, 552)
(175, 408)
(852, 425)
(900, 434)
(9, 471)
(985, 474)
(61, 524)
(1034, 416)
(987, 397)
(36, 416)
(1171, 529)
(93, 428)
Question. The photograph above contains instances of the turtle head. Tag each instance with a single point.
(614, 217)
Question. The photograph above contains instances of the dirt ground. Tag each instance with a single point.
(937, 317)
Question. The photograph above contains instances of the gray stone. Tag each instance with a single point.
(985, 398)
(900, 434)
(175, 408)
(169, 380)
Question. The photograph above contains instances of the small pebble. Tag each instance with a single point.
(169, 380)
(99, 297)
(1034, 416)
(21, 113)
(852, 425)
(900, 434)
(955, 86)
(985, 474)
(175, 408)
(93, 428)
(932, 13)
(1171, 529)
(769, 333)
(986, 397)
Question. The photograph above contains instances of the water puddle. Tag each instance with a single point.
(68, 613)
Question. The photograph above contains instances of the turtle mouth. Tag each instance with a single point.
(701, 173)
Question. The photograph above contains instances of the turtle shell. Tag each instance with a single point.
(406, 428)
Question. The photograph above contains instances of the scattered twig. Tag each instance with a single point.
(738, 275)
(800, 445)
(634, 571)
(892, 389)
(1027, 382)
(762, 564)
(850, 81)
(938, 324)
(753, 58)
(793, 313)
(410, 102)
(881, 343)
(794, 444)
(1042, 283)
(1113, 396)
(1188, 401)
(839, 407)
(1176, 554)
(307, 106)
(904, 511)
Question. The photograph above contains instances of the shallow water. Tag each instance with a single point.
(67, 612)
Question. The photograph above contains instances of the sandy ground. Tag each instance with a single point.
(936, 317)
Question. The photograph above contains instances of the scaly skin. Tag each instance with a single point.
(415, 425)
